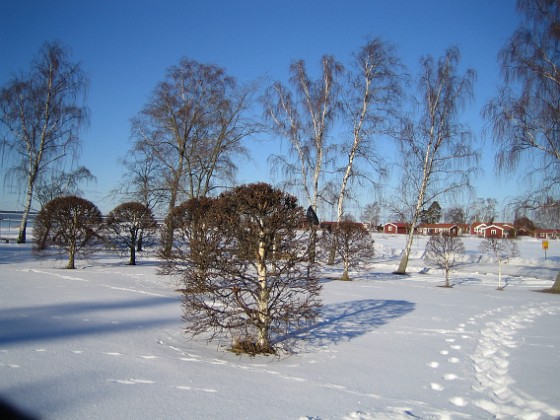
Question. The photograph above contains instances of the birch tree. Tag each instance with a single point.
(436, 148)
(303, 116)
(525, 113)
(41, 114)
(374, 89)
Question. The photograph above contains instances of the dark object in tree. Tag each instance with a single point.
(42, 115)
(244, 265)
(311, 217)
(442, 251)
(352, 242)
(70, 223)
(129, 223)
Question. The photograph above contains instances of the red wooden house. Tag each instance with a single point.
(398, 228)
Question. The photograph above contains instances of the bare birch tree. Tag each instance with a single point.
(41, 114)
(525, 114)
(303, 116)
(374, 90)
(436, 148)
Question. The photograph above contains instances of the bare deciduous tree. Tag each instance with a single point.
(194, 124)
(373, 92)
(244, 266)
(436, 148)
(352, 242)
(442, 251)
(501, 249)
(40, 116)
(128, 224)
(303, 117)
(525, 114)
(70, 223)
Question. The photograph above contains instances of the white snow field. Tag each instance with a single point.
(105, 341)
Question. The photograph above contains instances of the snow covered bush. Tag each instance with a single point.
(243, 259)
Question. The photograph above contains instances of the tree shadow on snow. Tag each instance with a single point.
(69, 320)
(348, 320)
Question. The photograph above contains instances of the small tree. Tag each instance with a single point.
(442, 251)
(352, 243)
(244, 265)
(501, 249)
(70, 223)
(127, 224)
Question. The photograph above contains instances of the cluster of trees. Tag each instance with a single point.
(244, 257)
(75, 225)
(190, 133)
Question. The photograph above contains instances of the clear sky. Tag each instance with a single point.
(125, 47)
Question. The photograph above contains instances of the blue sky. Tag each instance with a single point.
(125, 47)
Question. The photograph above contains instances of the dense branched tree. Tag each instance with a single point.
(69, 223)
(352, 242)
(437, 150)
(128, 224)
(244, 265)
(194, 124)
(41, 114)
(442, 252)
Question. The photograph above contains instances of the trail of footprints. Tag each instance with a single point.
(451, 356)
(489, 360)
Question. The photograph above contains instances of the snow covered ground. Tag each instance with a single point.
(104, 341)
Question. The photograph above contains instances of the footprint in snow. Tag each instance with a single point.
(458, 401)
(450, 377)
(132, 381)
(433, 364)
(436, 387)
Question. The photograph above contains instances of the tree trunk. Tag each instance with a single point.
(22, 237)
(71, 257)
(263, 342)
(132, 260)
